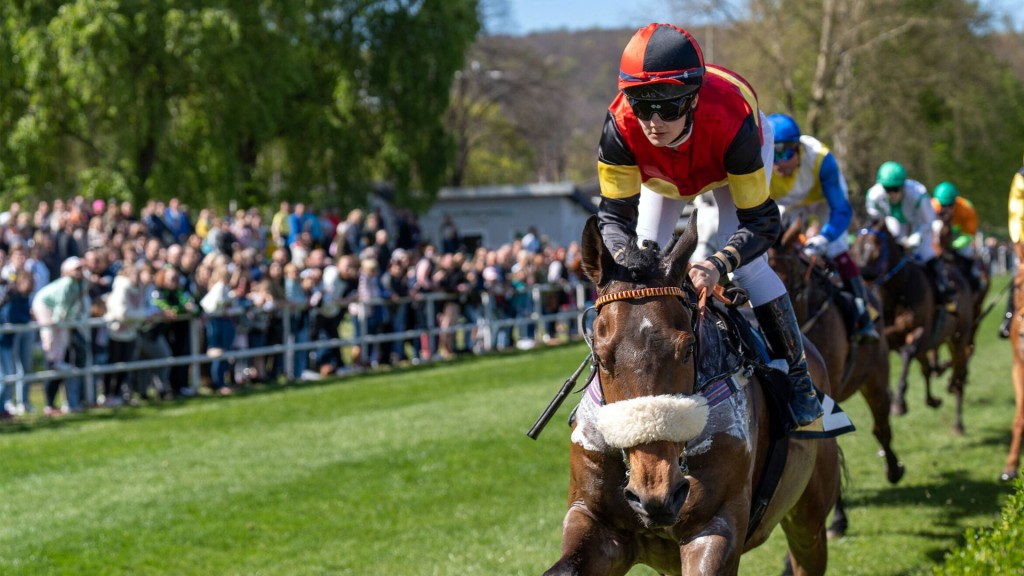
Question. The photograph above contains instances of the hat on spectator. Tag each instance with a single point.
(98, 205)
(72, 263)
(399, 254)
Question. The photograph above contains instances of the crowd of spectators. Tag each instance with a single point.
(148, 273)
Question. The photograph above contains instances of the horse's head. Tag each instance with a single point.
(875, 250)
(786, 260)
(644, 347)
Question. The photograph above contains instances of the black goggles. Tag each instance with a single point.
(785, 150)
(893, 189)
(667, 110)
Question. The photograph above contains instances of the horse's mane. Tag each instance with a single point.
(640, 264)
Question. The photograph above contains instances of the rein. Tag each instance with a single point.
(884, 258)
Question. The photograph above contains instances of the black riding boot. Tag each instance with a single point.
(865, 331)
(946, 293)
(785, 340)
(1004, 327)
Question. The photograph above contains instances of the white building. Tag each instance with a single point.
(490, 216)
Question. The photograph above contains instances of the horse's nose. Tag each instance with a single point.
(659, 508)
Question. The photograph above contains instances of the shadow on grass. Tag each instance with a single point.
(955, 496)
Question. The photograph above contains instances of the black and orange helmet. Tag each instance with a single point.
(661, 62)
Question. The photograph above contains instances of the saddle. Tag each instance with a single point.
(727, 342)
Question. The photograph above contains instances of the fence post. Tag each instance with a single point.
(289, 343)
(486, 328)
(90, 378)
(194, 326)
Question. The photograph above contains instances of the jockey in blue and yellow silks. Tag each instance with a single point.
(807, 182)
(678, 128)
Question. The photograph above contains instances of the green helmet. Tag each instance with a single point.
(891, 175)
(946, 193)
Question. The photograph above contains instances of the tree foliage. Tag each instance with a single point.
(228, 100)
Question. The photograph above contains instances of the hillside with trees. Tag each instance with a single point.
(936, 86)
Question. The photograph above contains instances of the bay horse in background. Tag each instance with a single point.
(967, 267)
(1010, 470)
(852, 367)
(671, 483)
(914, 324)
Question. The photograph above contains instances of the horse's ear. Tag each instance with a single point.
(597, 259)
(792, 234)
(682, 249)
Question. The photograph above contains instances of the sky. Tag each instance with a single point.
(527, 16)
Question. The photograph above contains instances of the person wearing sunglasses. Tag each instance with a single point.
(808, 184)
(907, 208)
(679, 128)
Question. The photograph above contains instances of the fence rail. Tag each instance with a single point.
(488, 326)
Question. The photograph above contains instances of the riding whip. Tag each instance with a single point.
(560, 397)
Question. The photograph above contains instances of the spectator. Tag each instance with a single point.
(178, 305)
(125, 312)
(449, 236)
(280, 228)
(329, 315)
(220, 327)
(16, 348)
(177, 222)
(60, 301)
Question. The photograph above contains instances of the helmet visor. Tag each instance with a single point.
(669, 110)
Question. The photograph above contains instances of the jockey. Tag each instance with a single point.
(905, 205)
(807, 182)
(957, 212)
(1016, 209)
(678, 128)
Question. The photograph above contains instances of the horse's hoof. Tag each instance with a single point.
(895, 473)
(898, 408)
(1008, 476)
(933, 402)
(958, 430)
(836, 531)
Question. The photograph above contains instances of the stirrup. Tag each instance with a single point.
(1004, 327)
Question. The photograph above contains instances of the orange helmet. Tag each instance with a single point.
(661, 62)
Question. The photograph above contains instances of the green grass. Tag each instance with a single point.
(426, 471)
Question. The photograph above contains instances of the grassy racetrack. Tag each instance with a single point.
(426, 471)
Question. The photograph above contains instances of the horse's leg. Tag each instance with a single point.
(840, 522)
(804, 525)
(899, 404)
(1013, 457)
(879, 398)
(926, 373)
(588, 547)
(956, 385)
(712, 554)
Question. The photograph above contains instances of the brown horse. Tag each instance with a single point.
(671, 484)
(851, 366)
(1010, 470)
(913, 324)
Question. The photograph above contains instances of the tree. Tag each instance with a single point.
(243, 100)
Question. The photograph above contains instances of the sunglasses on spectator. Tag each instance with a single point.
(668, 110)
(785, 150)
(893, 189)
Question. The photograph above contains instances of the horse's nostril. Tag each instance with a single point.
(679, 495)
(632, 497)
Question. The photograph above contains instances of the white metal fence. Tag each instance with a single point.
(493, 331)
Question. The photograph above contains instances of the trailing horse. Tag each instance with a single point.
(852, 366)
(668, 468)
(914, 324)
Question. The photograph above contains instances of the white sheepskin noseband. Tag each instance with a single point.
(652, 418)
